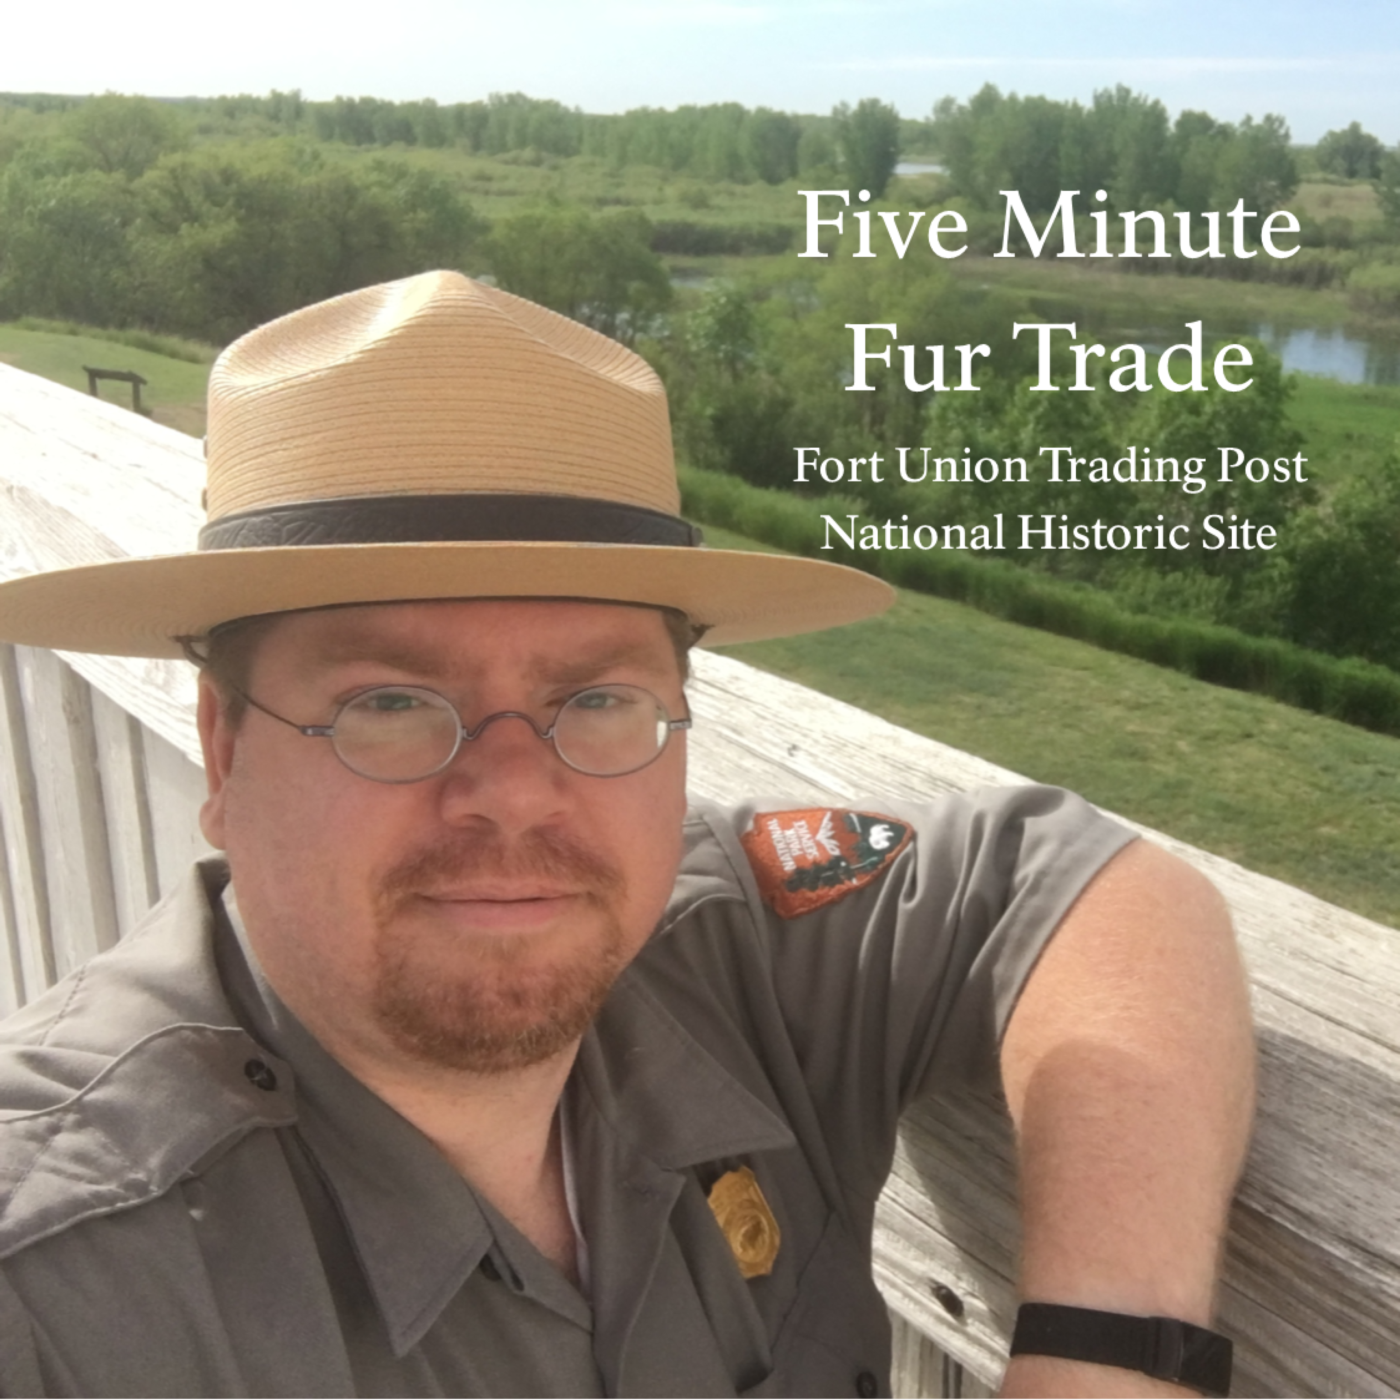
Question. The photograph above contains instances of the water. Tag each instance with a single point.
(1329, 352)
(1332, 353)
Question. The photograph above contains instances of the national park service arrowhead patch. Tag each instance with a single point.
(815, 856)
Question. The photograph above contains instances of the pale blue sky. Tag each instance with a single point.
(1319, 67)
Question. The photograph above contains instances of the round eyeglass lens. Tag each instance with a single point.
(401, 734)
(396, 734)
(611, 730)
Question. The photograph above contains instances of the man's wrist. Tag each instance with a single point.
(1045, 1376)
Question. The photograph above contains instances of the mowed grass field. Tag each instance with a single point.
(174, 390)
(1346, 426)
(1290, 794)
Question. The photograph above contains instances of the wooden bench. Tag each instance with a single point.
(123, 376)
(100, 780)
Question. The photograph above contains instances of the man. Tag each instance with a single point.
(481, 1067)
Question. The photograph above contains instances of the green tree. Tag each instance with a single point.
(1134, 134)
(1256, 165)
(124, 135)
(597, 268)
(867, 138)
(722, 332)
(1344, 593)
(729, 406)
(231, 236)
(21, 127)
(1006, 420)
(1191, 424)
(65, 247)
(769, 144)
(286, 109)
(960, 132)
(816, 149)
(1350, 152)
(1197, 142)
(1388, 187)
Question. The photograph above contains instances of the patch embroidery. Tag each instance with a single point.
(747, 1222)
(818, 855)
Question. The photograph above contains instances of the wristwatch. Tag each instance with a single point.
(1162, 1347)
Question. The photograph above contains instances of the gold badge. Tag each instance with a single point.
(747, 1222)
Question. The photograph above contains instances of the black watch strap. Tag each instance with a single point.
(1161, 1347)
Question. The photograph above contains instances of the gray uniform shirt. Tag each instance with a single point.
(196, 1199)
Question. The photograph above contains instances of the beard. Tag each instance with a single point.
(489, 1004)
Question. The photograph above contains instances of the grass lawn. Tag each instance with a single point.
(174, 391)
(1331, 199)
(1281, 791)
(1345, 425)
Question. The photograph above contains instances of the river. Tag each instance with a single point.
(1333, 353)
(1329, 352)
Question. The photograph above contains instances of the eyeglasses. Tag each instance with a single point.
(403, 733)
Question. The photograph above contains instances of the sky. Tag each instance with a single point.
(1320, 67)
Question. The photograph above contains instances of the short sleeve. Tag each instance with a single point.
(897, 976)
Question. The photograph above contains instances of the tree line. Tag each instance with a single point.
(719, 141)
(1123, 142)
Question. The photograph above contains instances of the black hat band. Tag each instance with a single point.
(454, 518)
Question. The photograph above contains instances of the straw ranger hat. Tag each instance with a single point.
(431, 438)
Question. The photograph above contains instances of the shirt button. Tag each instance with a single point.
(260, 1075)
(867, 1385)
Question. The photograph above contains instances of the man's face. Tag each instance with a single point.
(475, 919)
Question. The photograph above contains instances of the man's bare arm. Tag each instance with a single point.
(1129, 1070)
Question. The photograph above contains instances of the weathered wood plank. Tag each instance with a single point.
(121, 757)
(127, 482)
(23, 836)
(72, 814)
(12, 995)
(920, 1369)
(78, 486)
(176, 791)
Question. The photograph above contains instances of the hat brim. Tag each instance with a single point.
(139, 607)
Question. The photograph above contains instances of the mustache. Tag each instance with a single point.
(537, 854)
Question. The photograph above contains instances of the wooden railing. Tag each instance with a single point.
(100, 783)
